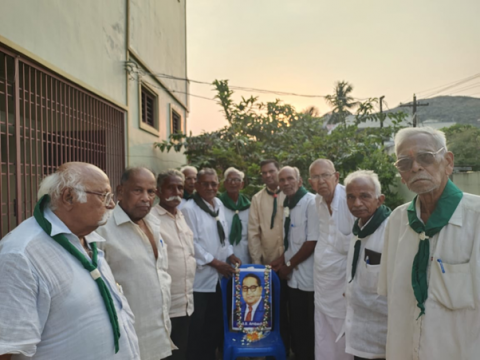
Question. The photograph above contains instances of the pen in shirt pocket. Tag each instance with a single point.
(367, 260)
(441, 265)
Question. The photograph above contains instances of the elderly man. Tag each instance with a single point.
(430, 269)
(366, 321)
(59, 299)
(336, 223)
(265, 233)
(190, 174)
(138, 258)
(236, 212)
(205, 214)
(181, 259)
(301, 233)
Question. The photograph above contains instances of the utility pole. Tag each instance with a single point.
(414, 110)
(381, 110)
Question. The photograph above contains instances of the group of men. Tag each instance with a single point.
(358, 281)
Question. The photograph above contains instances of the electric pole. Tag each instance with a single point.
(381, 111)
(414, 110)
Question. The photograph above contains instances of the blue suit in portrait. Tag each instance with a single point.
(257, 316)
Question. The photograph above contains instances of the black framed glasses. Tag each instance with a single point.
(423, 158)
(252, 288)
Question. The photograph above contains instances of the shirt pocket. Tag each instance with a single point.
(452, 285)
(368, 277)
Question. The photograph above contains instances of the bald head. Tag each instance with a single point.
(323, 178)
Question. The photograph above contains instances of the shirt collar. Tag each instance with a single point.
(457, 216)
(336, 195)
(161, 211)
(121, 217)
(59, 227)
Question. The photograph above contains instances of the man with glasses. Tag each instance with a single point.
(430, 268)
(336, 223)
(58, 297)
(205, 214)
(237, 207)
(253, 309)
(138, 257)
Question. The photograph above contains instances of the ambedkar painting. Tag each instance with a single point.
(252, 292)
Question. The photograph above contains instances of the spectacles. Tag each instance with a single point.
(234, 180)
(325, 176)
(206, 184)
(252, 288)
(424, 158)
(107, 197)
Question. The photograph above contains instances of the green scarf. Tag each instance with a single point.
(62, 240)
(274, 212)
(446, 206)
(375, 221)
(290, 204)
(201, 204)
(242, 204)
(186, 195)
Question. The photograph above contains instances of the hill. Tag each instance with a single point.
(459, 109)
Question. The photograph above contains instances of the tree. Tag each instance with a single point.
(464, 141)
(258, 131)
(342, 102)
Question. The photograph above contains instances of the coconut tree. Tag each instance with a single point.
(341, 102)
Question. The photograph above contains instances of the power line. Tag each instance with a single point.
(449, 87)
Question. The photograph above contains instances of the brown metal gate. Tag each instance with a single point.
(45, 121)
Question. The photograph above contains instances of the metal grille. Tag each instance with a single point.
(44, 122)
(176, 122)
(148, 107)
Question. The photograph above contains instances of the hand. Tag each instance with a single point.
(284, 272)
(234, 260)
(223, 268)
(277, 263)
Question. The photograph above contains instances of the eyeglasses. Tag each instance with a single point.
(424, 158)
(252, 288)
(206, 184)
(107, 197)
(233, 181)
(325, 176)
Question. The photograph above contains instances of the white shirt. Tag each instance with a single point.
(241, 249)
(442, 333)
(144, 279)
(331, 254)
(303, 227)
(207, 242)
(181, 259)
(50, 307)
(366, 321)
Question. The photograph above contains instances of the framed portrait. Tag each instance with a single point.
(255, 299)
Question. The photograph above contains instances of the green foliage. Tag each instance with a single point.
(341, 102)
(464, 142)
(258, 131)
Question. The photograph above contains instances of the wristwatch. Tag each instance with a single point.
(289, 264)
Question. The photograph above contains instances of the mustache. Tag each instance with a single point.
(172, 198)
(105, 217)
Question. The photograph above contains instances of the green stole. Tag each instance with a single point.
(202, 205)
(446, 206)
(373, 224)
(242, 204)
(186, 195)
(290, 204)
(274, 212)
(62, 240)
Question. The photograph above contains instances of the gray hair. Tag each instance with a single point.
(236, 171)
(164, 175)
(188, 167)
(319, 161)
(207, 171)
(295, 170)
(437, 136)
(368, 174)
(54, 184)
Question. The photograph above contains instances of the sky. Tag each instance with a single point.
(382, 47)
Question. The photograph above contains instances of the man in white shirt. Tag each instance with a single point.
(138, 258)
(237, 207)
(366, 321)
(330, 258)
(181, 259)
(205, 214)
(190, 174)
(296, 265)
(430, 269)
(56, 289)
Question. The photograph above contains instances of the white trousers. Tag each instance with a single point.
(326, 332)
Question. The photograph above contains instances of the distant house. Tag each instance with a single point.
(87, 81)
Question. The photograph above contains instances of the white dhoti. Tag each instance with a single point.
(326, 332)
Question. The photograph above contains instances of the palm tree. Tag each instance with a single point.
(341, 102)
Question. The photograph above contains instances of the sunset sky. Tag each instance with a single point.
(382, 47)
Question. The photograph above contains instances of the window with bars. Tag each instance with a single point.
(149, 104)
(176, 122)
